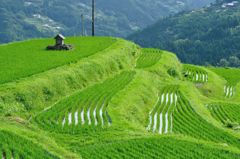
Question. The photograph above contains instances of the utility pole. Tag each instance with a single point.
(82, 25)
(93, 17)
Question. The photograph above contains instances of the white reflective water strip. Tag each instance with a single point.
(89, 117)
(231, 91)
(69, 118)
(227, 91)
(166, 123)
(150, 116)
(82, 117)
(161, 123)
(196, 76)
(166, 98)
(76, 117)
(155, 122)
(95, 116)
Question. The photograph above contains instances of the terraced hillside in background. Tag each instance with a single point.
(109, 98)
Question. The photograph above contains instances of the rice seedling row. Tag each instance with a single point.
(226, 113)
(161, 115)
(166, 147)
(188, 122)
(229, 90)
(85, 109)
(175, 115)
(15, 147)
(149, 57)
(195, 74)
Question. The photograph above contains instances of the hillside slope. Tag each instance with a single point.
(122, 101)
(203, 36)
(22, 19)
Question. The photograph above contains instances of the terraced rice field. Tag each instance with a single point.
(162, 114)
(195, 74)
(148, 58)
(99, 108)
(86, 108)
(226, 113)
(188, 122)
(174, 114)
(232, 77)
(229, 91)
(15, 147)
(36, 59)
(155, 147)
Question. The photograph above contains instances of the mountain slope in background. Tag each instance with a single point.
(206, 35)
(21, 19)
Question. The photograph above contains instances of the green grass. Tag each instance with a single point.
(149, 57)
(22, 59)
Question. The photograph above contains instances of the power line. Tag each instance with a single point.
(93, 17)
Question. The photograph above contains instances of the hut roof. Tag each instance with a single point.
(59, 36)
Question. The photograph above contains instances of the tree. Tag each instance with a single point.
(224, 63)
(234, 61)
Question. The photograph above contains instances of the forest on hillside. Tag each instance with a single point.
(208, 36)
